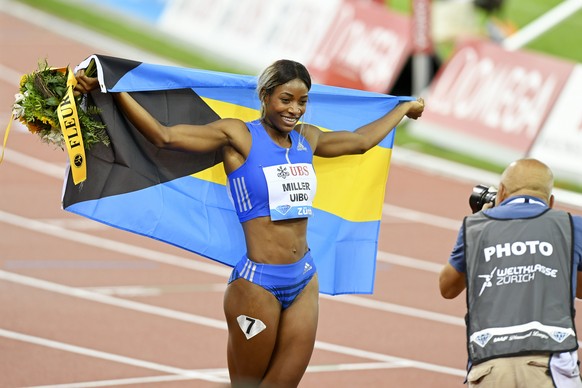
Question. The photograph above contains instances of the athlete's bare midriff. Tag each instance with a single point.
(276, 242)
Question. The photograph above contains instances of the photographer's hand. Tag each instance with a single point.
(487, 205)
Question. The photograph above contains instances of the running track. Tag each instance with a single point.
(84, 305)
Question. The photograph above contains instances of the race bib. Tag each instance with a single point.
(291, 190)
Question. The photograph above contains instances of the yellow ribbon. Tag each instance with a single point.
(6, 137)
(71, 128)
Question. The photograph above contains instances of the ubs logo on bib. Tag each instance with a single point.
(299, 170)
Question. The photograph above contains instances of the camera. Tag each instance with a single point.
(480, 196)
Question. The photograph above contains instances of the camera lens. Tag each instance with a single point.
(480, 196)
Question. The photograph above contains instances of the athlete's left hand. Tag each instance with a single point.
(416, 109)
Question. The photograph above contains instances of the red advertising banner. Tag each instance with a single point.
(365, 47)
(486, 94)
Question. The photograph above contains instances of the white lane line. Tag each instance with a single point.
(215, 269)
(134, 380)
(10, 76)
(356, 366)
(110, 300)
(108, 356)
(362, 366)
(141, 291)
(421, 217)
(37, 165)
(77, 223)
(398, 309)
(200, 320)
(405, 261)
(111, 245)
(386, 358)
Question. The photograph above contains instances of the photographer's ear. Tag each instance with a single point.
(501, 194)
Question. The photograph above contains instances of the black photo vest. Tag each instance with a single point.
(519, 285)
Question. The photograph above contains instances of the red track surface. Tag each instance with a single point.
(81, 302)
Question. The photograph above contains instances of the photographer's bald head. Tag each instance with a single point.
(527, 177)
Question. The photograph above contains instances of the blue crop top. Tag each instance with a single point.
(273, 181)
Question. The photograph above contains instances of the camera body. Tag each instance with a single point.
(480, 196)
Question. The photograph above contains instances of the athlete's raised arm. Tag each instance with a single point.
(185, 137)
(330, 144)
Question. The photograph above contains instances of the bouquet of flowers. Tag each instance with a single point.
(36, 105)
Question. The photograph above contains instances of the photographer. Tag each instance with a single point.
(519, 260)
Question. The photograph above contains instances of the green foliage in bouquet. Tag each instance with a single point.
(36, 107)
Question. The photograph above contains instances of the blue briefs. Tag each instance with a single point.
(285, 281)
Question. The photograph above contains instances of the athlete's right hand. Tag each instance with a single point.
(84, 83)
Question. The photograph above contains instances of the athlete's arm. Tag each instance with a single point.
(451, 282)
(194, 138)
(186, 137)
(337, 143)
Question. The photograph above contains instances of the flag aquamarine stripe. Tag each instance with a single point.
(348, 265)
(209, 84)
(185, 220)
(201, 228)
(149, 76)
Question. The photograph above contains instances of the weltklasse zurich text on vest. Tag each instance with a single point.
(519, 285)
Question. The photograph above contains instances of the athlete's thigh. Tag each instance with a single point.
(296, 338)
(252, 315)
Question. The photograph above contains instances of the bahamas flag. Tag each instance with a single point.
(181, 198)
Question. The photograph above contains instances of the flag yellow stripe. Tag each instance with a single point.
(228, 110)
(351, 187)
(214, 174)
